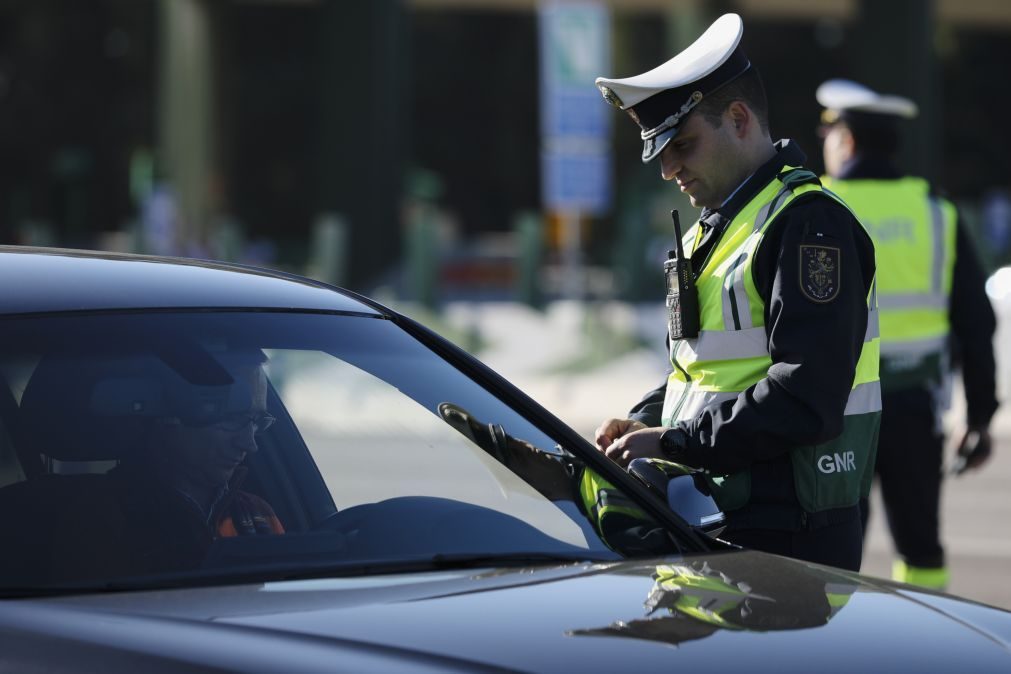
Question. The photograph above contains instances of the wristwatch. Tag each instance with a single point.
(672, 442)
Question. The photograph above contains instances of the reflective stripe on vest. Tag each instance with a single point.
(608, 509)
(731, 354)
(914, 241)
(936, 578)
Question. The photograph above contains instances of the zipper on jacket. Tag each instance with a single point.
(673, 359)
(688, 381)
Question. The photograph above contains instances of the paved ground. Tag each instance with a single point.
(976, 527)
(551, 356)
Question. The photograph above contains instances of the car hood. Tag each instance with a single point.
(730, 612)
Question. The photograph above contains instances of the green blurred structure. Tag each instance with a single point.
(422, 255)
(529, 233)
(328, 257)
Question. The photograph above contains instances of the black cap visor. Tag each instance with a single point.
(652, 147)
(678, 102)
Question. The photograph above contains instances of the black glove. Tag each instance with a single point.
(973, 451)
(552, 474)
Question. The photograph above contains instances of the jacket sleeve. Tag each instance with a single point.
(649, 410)
(814, 345)
(972, 328)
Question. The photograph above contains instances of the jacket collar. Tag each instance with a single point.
(869, 167)
(788, 153)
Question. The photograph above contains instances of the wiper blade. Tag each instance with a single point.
(264, 573)
(450, 561)
(30, 592)
(134, 584)
(464, 560)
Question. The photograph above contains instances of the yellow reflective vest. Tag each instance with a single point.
(731, 354)
(914, 243)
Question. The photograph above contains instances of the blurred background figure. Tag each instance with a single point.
(934, 316)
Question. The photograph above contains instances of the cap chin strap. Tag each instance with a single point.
(692, 101)
(674, 119)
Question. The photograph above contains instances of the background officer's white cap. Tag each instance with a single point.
(659, 100)
(839, 97)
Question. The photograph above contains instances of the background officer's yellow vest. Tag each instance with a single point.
(914, 243)
(731, 354)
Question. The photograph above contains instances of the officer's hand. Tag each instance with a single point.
(973, 450)
(639, 444)
(612, 429)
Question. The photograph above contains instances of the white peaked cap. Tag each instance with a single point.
(846, 95)
(704, 56)
(658, 100)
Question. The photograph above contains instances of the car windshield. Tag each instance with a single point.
(148, 447)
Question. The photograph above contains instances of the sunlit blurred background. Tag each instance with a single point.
(453, 159)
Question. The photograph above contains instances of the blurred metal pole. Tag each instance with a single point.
(574, 274)
(896, 55)
(185, 109)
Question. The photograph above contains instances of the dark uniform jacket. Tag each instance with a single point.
(127, 522)
(969, 313)
(814, 349)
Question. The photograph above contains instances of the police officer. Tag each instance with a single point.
(931, 298)
(773, 391)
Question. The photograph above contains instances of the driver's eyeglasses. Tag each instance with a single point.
(260, 421)
(239, 421)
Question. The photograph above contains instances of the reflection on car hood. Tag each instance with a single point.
(724, 612)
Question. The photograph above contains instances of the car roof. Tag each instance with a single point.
(43, 280)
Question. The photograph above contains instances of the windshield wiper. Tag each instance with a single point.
(463, 560)
(264, 573)
(450, 561)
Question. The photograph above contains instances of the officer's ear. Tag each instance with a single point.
(740, 117)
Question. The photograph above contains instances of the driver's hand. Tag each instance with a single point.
(639, 444)
(612, 429)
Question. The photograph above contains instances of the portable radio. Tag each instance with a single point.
(682, 295)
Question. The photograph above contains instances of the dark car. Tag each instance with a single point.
(209, 467)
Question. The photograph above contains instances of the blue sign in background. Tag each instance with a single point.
(575, 120)
(577, 182)
(577, 113)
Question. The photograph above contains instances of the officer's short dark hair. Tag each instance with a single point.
(747, 88)
(872, 134)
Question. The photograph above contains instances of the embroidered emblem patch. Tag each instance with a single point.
(819, 272)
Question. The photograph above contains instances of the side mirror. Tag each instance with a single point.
(684, 490)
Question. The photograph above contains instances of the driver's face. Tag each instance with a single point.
(210, 454)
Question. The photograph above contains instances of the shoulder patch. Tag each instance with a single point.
(819, 272)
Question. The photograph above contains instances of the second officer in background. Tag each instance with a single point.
(932, 304)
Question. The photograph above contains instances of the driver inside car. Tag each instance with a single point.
(196, 454)
(181, 488)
